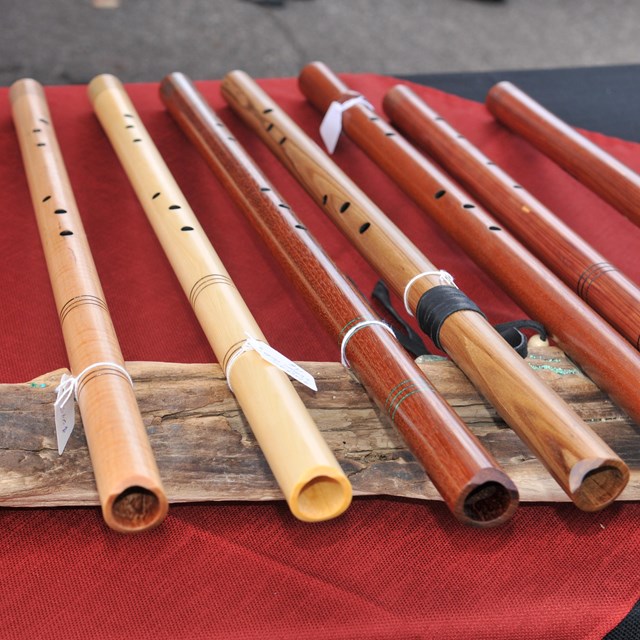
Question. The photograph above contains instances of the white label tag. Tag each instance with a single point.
(270, 355)
(64, 410)
(331, 126)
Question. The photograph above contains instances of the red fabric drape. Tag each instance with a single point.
(387, 568)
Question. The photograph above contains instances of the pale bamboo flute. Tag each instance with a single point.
(474, 488)
(306, 470)
(128, 483)
(586, 468)
(613, 181)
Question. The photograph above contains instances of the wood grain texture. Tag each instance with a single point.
(470, 481)
(206, 451)
(315, 486)
(571, 451)
(588, 273)
(130, 487)
(613, 181)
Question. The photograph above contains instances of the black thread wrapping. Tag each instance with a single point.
(437, 304)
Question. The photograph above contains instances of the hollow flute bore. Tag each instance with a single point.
(601, 285)
(468, 478)
(584, 466)
(612, 180)
(306, 470)
(609, 360)
(129, 486)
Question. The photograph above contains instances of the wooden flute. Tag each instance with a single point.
(609, 360)
(612, 180)
(584, 466)
(600, 284)
(129, 486)
(306, 470)
(475, 489)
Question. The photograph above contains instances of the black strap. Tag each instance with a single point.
(437, 304)
(410, 340)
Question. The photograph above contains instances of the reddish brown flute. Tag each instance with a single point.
(583, 465)
(475, 489)
(609, 360)
(601, 285)
(613, 181)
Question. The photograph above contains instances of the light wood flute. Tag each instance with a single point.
(306, 470)
(474, 487)
(127, 478)
(585, 467)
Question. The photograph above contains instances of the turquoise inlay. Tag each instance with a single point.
(393, 415)
(392, 396)
(346, 326)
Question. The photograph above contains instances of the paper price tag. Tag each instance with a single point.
(270, 355)
(331, 126)
(64, 410)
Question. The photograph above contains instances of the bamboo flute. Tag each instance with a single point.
(306, 470)
(609, 360)
(475, 489)
(612, 180)
(129, 486)
(601, 285)
(588, 471)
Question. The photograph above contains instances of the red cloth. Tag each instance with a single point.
(387, 568)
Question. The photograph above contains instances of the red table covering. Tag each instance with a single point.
(388, 568)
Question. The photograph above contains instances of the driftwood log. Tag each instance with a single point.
(206, 451)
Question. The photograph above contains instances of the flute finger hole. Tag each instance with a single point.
(494, 228)
(46, 198)
(364, 227)
(439, 194)
(66, 233)
(186, 229)
(469, 206)
(321, 498)
(344, 207)
(488, 502)
(60, 211)
(155, 195)
(136, 508)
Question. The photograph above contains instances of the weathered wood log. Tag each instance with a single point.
(206, 451)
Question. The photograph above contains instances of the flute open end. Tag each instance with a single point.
(135, 508)
(490, 498)
(596, 483)
(324, 496)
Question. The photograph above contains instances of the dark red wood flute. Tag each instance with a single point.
(613, 181)
(609, 360)
(476, 490)
(601, 285)
(583, 465)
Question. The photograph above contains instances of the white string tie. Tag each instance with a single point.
(354, 330)
(64, 409)
(331, 125)
(270, 355)
(445, 279)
